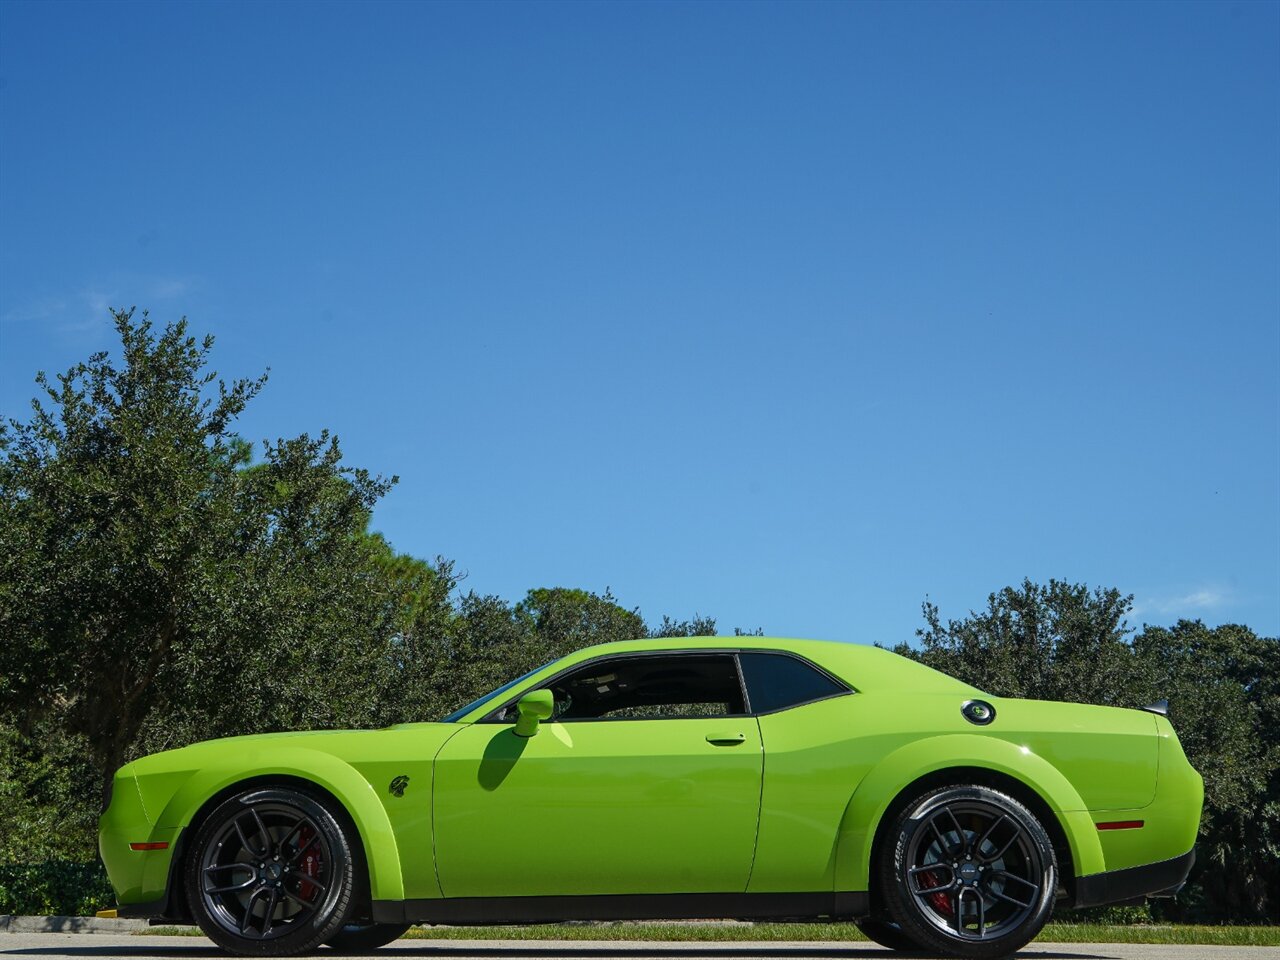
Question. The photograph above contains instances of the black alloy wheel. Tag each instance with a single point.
(271, 873)
(969, 871)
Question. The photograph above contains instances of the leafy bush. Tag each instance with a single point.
(57, 888)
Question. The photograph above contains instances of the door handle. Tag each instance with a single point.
(726, 739)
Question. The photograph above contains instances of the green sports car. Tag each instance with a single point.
(709, 777)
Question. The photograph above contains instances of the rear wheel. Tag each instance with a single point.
(364, 937)
(271, 873)
(968, 871)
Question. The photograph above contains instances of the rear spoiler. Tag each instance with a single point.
(1160, 706)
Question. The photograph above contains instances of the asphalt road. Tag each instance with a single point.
(56, 946)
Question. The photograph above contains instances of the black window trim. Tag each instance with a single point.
(846, 689)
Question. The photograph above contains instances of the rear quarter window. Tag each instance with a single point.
(776, 681)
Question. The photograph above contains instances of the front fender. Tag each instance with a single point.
(910, 762)
(336, 776)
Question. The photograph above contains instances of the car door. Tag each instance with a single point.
(646, 779)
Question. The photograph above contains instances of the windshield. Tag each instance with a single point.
(463, 711)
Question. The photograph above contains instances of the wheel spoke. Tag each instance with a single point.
(926, 896)
(1005, 895)
(311, 880)
(262, 829)
(293, 831)
(235, 886)
(943, 846)
(244, 839)
(960, 834)
(271, 909)
(1000, 895)
(212, 868)
(248, 910)
(292, 861)
(977, 847)
(297, 897)
(930, 867)
(1035, 887)
(1007, 844)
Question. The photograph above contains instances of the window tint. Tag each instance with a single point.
(650, 688)
(776, 681)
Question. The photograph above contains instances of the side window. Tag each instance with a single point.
(651, 688)
(776, 681)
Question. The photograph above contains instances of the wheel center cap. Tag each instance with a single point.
(969, 872)
(273, 871)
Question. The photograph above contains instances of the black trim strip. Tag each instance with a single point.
(1149, 880)
(645, 906)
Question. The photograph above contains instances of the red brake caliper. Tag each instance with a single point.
(941, 902)
(310, 865)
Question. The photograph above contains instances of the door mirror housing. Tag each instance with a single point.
(533, 708)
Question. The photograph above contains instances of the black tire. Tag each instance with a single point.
(271, 873)
(888, 935)
(998, 864)
(367, 937)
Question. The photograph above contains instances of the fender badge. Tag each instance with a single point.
(398, 785)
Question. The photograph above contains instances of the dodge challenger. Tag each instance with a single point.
(745, 777)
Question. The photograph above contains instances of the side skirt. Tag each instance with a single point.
(643, 906)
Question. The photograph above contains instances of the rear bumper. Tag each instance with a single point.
(1162, 879)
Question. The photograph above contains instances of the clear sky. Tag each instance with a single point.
(787, 314)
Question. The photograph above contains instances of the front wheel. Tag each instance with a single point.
(968, 871)
(271, 873)
(366, 937)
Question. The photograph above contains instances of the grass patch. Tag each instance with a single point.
(817, 932)
(826, 932)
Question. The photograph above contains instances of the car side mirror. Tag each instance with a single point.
(533, 708)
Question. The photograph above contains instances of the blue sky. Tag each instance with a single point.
(787, 314)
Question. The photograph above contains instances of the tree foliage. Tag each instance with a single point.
(146, 567)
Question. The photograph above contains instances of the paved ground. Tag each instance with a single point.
(56, 946)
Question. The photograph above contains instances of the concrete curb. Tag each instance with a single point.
(16, 924)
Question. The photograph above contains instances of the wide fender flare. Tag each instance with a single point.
(895, 772)
(353, 791)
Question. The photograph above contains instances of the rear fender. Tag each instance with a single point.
(897, 771)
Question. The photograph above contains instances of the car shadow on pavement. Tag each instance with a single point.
(638, 951)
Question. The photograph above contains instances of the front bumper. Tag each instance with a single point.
(1162, 879)
(140, 877)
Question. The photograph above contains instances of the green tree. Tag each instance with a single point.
(697, 626)
(146, 568)
(1059, 641)
(1223, 686)
(563, 620)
